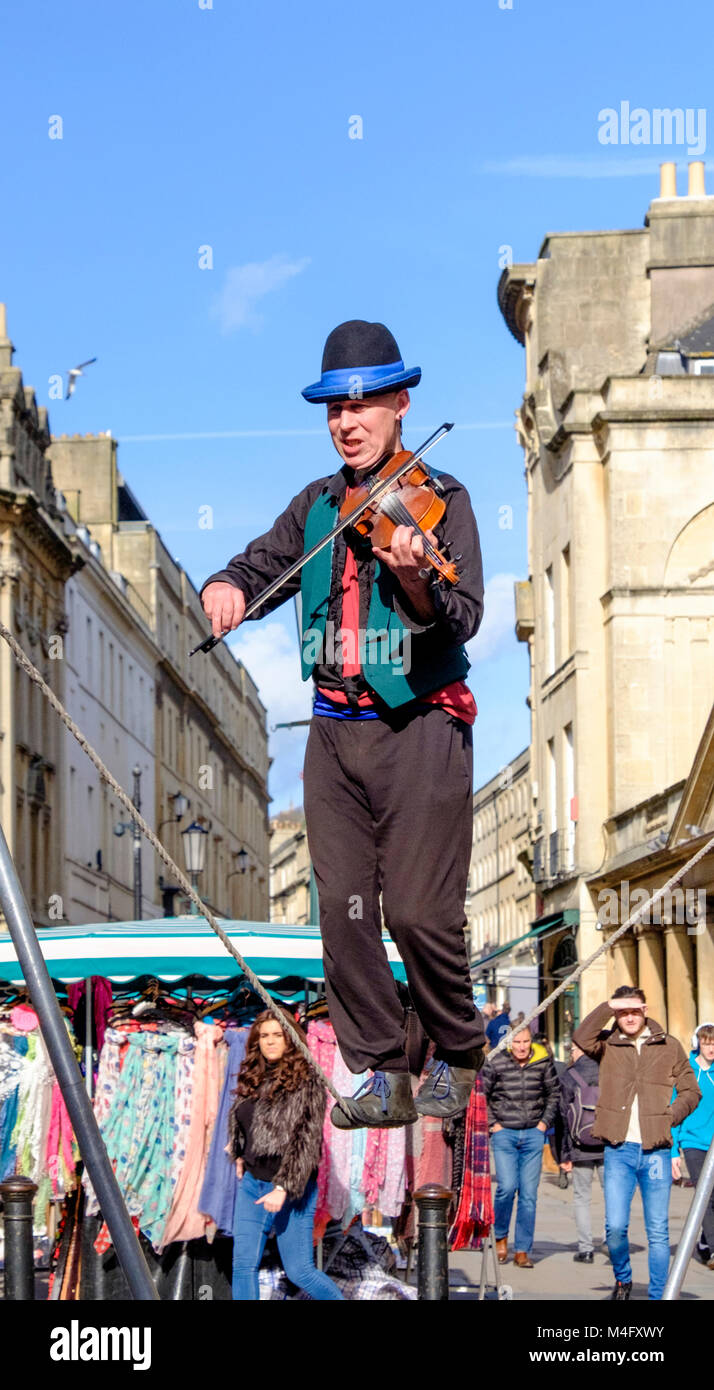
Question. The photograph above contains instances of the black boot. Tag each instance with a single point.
(448, 1086)
(382, 1102)
(620, 1293)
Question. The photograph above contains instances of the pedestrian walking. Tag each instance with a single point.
(581, 1153)
(693, 1137)
(275, 1137)
(498, 1025)
(640, 1063)
(521, 1088)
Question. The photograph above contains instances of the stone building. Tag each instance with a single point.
(36, 561)
(670, 954)
(209, 730)
(617, 427)
(110, 668)
(501, 901)
(291, 899)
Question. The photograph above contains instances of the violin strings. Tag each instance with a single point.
(396, 511)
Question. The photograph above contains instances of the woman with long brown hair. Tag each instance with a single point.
(275, 1138)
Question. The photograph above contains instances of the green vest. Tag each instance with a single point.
(389, 652)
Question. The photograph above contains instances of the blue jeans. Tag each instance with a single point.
(627, 1166)
(518, 1154)
(293, 1226)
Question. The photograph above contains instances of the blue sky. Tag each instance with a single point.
(228, 127)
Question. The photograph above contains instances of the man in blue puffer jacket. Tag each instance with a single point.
(694, 1136)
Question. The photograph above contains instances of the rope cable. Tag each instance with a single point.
(35, 676)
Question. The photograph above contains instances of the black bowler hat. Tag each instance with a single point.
(360, 359)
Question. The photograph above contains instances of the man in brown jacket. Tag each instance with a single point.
(639, 1065)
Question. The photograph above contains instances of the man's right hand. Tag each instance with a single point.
(224, 604)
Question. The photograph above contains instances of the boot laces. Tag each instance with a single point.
(377, 1085)
(440, 1077)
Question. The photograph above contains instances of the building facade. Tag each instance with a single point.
(617, 427)
(36, 561)
(110, 668)
(208, 724)
(501, 900)
(290, 891)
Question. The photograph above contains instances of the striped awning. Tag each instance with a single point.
(176, 946)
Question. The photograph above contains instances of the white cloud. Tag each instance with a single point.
(557, 166)
(246, 285)
(497, 629)
(269, 651)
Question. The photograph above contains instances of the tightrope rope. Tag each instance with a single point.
(127, 803)
(24, 661)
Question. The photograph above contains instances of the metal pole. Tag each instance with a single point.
(137, 845)
(692, 1226)
(69, 1077)
(88, 1059)
(433, 1262)
(17, 1194)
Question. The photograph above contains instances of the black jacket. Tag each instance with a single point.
(570, 1151)
(288, 1127)
(520, 1097)
(459, 610)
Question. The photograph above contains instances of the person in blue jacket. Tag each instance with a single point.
(694, 1136)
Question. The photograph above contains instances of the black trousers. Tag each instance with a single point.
(388, 808)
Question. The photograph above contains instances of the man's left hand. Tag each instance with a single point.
(405, 558)
(272, 1201)
(541, 1126)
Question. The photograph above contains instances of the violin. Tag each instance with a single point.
(409, 502)
(396, 494)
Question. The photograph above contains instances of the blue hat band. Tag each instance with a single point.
(352, 383)
(354, 380)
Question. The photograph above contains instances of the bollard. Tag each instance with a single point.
(433, 1259)
(17, 1194)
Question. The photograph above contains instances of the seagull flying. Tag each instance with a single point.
(73, 373)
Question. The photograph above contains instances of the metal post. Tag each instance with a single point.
(137, 845)
(17, 1194)
(433, 1261)
(69, 1077)
(88, 1059)
(691, 1227)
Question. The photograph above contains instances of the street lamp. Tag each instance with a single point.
(180, 805)
(119, 829)
(194, 848)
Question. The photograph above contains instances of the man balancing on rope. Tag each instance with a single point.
(388, 766)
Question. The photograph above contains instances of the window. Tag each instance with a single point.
(566, 633)
(569, 779)
(552, 787)
(549, 600)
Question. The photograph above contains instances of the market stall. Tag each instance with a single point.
(160, 1014)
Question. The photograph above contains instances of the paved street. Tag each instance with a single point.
(556, 1276)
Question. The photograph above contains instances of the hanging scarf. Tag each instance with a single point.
(101, 1003)
(139, 1131)
(474, 1217)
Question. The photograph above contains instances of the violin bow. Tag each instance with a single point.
(380, 488)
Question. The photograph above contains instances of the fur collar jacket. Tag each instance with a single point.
(288, 1127)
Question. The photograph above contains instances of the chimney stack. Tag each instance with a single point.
(696, 188)
(667, 180)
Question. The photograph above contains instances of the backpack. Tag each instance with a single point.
(581, 1112)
